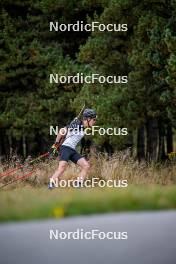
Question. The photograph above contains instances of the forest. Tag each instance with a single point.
(146, 53)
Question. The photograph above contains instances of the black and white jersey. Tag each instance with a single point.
(75, 133)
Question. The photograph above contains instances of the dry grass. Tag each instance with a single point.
(135, 172)
(103, 167)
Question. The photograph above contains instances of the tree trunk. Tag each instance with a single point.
(152, 139)
(2, 144)
(10, 145)
(169, 136)
(130, 143)
(161, 143)
(24, 146)
(141, 143)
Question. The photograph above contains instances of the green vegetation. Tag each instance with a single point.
(146, 105)
(146, 53)
(33, 203)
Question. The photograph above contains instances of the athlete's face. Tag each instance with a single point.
(91, 122)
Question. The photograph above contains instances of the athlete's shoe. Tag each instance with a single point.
(50, 186)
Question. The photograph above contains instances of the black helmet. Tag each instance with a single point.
(89, 113)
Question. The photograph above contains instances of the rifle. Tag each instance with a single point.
(74, 123)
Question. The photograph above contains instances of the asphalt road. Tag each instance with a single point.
(151, 240)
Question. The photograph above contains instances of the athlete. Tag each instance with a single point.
(74, 133)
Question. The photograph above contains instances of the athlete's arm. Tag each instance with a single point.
(59, 140)
(62, 133)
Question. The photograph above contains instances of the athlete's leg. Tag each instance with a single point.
(60, 170)
(85, 167)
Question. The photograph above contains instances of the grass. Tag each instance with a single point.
(150, 187)
(36, 203)
(117, 167)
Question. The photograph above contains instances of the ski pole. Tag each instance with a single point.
(11, 171)
(81, 111)
(18, 178)
(7, 173)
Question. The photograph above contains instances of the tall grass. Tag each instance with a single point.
(103, 167)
